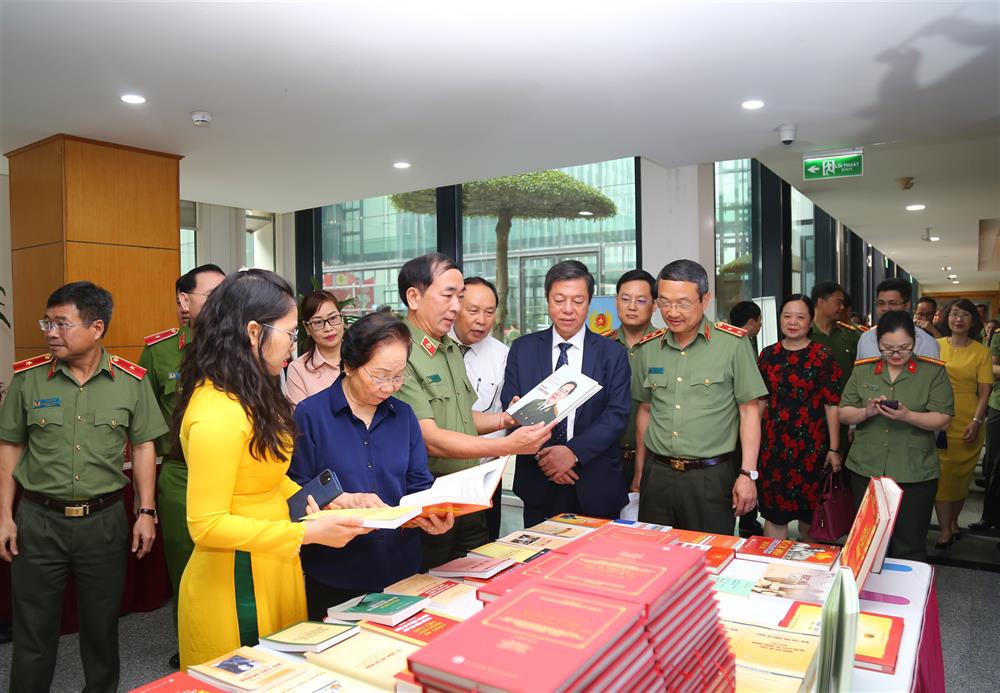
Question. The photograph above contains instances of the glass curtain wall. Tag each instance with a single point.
(735, 259)
(803, 243)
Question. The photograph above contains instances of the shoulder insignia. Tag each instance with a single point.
(428, 346)
(33, 362)
(928, 359)
(652, 335)
(871, 359)
(136, 371)
(861, 328)
(844, 325)
(731, 329)
(613, 334)
(160, 336)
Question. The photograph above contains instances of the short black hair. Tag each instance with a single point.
(568, 270)
(928, 299)
(686, 271)
(482, 281)
(826, 290)
(367, 333)
(420, 272)
(893, 320)
(798, 297)
(637, 275)
(92, 301)
(743, 312)
(975, 331)
(189, 280)
(904, 288)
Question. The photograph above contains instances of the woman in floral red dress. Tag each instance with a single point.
(800, 420)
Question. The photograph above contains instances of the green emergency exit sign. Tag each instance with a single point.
(833, 165)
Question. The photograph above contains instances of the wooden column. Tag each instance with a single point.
(83, 209)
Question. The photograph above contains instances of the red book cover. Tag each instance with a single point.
(177, 683)
(716, 558)
(789, 552)
(722, 541)
(616, 532)
(580, 520)
(419, 629)
(536, 639)
(623, 650)
(513, 578)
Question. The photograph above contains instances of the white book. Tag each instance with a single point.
(462, 492)
(554, 398)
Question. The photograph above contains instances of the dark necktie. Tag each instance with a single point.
(464, 348)
(560, 432)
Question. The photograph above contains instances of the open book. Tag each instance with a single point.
(554, 398)
(463, 492)
(867, 542)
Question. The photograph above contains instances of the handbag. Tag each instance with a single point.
(834, 514)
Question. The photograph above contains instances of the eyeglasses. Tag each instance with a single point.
(960, 315)
(680, 306)
(332, 321)
(46, 325)
(206, 294)
(895, 305)
(383, 380)
(896, 352)
(638, 300)
(294, 334)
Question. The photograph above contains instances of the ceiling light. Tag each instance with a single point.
(934, 239)
(586, 214)
(946, 268)
(753, 104)
(401, 164)
(955, 281)
(915, 208)
(133, 98)
(952, 276)
(928, 237)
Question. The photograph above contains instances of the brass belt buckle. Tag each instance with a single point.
(76, 510)
(678, 465)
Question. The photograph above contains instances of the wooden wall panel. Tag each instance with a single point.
(36, 195)
(120, 195)
(37, 272)
(141, 281)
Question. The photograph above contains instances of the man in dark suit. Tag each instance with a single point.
(580, 469)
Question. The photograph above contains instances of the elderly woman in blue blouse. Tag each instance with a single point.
(372, 442)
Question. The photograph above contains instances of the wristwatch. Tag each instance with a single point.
(148, 511)
(750, 473)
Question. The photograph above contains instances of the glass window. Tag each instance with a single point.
(803, 244)
(365, 242)
(734, 248)
(259, 239)
(188, 253)
(585, 213)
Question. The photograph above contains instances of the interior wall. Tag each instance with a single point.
(6, 281)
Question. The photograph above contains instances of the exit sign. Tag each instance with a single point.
(833, 165)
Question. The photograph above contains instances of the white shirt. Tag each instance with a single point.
(925, 346)
(575, 356)
(485, 362)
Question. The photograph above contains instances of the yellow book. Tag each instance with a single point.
(370, 657)
(777, 651)
(531, 540)
(441, 591)
(376, 518)
(877, 643)
(495, 549)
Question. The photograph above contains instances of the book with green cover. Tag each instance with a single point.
(387, 609)
(308, 636)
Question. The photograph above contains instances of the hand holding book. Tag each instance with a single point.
(433, 523)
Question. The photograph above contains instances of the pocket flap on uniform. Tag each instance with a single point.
(45, 417)
(708, 379)
(654, 380)
(113, 418)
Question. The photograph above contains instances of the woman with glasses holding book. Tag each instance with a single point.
(236, 430)
(319, 364)
(372, 442)
(898, 401)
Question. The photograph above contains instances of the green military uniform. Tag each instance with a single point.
(907, 454)
(627, 443)
(843, 342)
(74, 437)
(438, 388)
(693, 395)
(162, 360)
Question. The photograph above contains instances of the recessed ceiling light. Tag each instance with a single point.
(946, 268)
(934, 239)
(955, 281)
(952, 276)
(401, 164)
(586, 214)
(133, 98)
(753, 104)
(915, 208)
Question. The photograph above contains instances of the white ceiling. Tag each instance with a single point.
(314, 101)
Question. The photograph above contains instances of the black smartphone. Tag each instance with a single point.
(324, 488)
(889, 403)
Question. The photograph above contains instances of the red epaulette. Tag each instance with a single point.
(861, 328)
(845, 325)
(612, 333)
(152, 339)
(928, 359)
(135, 370)
(33, 362)
(651, 336)
(871, 359)
(731, 329)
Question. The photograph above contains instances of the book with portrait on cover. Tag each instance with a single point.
(554, 398)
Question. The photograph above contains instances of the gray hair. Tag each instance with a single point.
(567, 270)
(686, 271)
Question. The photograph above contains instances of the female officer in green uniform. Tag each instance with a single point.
(898, 401)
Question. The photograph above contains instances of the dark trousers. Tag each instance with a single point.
(92, 549)
(991, 467)
(909, 536)
(171, 505)
(698, 499)
(562, 499)
(320, 597)
(469, 532)
(493, 515)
